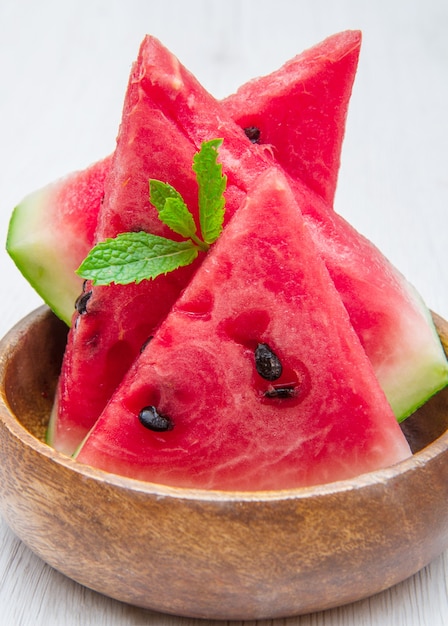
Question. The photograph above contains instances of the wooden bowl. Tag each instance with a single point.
(212, 554)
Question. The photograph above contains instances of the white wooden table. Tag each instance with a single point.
(63, 71)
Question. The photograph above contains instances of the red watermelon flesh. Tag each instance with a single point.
(390, 318)
(311, 90)
(112, 323)
(300, 110)
(198, 117)
(392, 322)
(199, 371)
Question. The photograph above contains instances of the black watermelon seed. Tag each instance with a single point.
(253, 134)
(145, 343)
(267, 362)
(150, 418)
(281, 392)
(81, 302)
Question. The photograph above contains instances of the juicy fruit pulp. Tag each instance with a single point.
(388, 315)
(159, 134)
(315, 85)
(158, 137)
(311, 91)
(228, 430)
(104, 341)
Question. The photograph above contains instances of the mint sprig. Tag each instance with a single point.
(133, 257)
(136, 256)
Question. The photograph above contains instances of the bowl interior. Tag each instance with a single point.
(33, 369)
(431, 420)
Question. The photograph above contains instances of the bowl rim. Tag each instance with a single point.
(20, 432)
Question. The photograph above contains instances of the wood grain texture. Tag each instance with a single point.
(64, 68)
(209, 554)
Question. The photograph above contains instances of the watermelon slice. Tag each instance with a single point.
(256, 379)
(50, 232)
(112, 323)
(167, 115)
(388, 314)
(299, 111)
(315, 86)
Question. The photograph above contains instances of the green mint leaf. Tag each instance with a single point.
(176, 216)
(133, 257)
(172, 208)
(212, 185)
(160, 192)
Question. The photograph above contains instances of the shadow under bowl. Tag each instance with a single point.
(210, 554)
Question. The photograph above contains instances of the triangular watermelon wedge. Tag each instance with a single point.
(299, 111)
(218, 414)
(389, 316)
(112, 323)
(171, 115)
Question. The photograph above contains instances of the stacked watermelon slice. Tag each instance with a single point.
(353, 345)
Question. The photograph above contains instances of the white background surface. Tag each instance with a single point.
(64, 67)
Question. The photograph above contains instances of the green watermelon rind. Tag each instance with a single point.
(426, 373)
(50, 232)
(42, 255)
